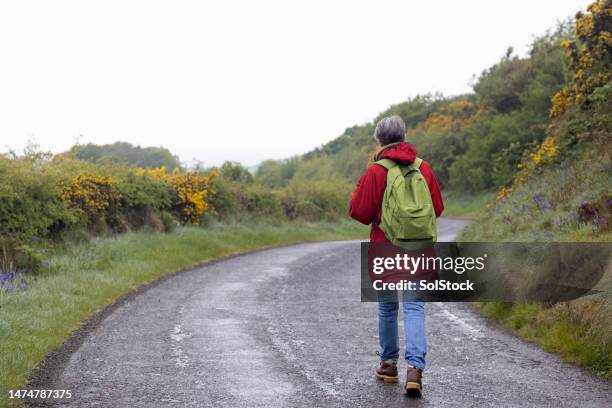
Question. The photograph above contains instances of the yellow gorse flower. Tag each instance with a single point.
(191, 191)
(89, 194)
(93, 195)
(436, 120)
(547, 149)
(592, 44)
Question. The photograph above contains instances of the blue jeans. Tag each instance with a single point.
(414, 332)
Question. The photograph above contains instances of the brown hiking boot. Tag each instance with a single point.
(414, 387)
(387, 371)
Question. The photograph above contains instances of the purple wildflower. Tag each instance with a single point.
(558, 223)
(542, 202)
(7, 276)
(46, 263)
(11, 281)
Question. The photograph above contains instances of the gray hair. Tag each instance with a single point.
(389, 130)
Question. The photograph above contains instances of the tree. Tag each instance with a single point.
(122, 152)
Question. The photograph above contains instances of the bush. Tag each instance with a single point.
(139, 191)
(30, 203)
(190, 191)
(316, 200)
(261, 201)
(224, 200)
(95, 199)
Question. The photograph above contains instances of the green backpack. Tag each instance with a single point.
(407, 211)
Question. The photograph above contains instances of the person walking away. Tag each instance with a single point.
(366, 207)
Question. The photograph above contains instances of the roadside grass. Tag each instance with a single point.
(464, 205)
(84, 278)
(574, 330)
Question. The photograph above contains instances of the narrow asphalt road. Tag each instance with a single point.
(263, 330)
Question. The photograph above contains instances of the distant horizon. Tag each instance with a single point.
(271, 81)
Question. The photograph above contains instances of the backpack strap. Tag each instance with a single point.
(417, 163)
(386, 163)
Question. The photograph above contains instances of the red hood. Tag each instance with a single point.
(401, 153)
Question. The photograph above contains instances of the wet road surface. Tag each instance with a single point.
(263, 330)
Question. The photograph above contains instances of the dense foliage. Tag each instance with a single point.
(562, 193)
(43, 198)
(237, 196)
(569, 174)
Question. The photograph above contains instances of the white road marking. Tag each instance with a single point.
(459, 322)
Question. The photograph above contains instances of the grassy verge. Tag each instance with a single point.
(84, 278)
(567, 201)
(574, 330)
(466, 205)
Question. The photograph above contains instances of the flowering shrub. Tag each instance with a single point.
(436, 120)
(590, 57)
(502, 194)
(95, 198)
(591, 66)
(190, 188)
(548, 149)
(544, 153)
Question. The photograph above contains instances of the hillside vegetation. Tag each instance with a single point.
(563, 193)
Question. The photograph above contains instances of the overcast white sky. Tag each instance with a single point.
(240, 80)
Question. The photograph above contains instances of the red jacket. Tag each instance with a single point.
(366, 201)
